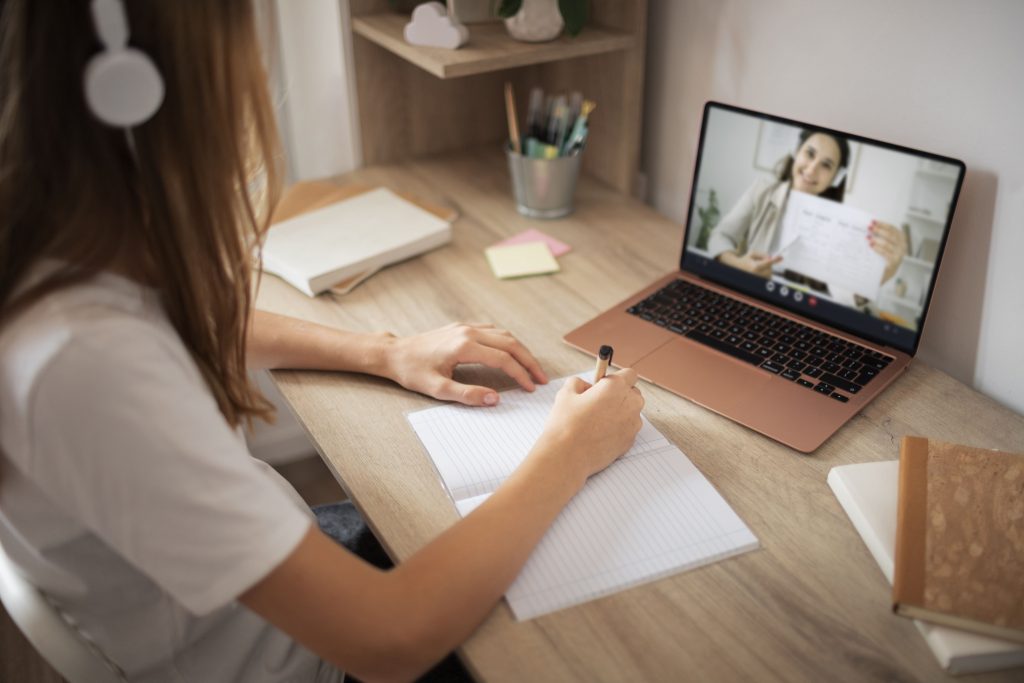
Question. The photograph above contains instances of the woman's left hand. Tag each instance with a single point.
(426, 362)
(891, 243)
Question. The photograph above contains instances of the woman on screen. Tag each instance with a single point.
(128, 227)
(748, 236)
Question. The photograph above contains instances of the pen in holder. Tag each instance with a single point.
(544, 167)
(543, 188)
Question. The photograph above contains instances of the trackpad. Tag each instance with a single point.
(704, 376)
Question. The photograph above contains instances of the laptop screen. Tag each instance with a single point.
(841, 229)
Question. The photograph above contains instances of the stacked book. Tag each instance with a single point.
(946, 525)
(326, 237)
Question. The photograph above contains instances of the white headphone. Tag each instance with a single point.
(840, 174)
(123, 87)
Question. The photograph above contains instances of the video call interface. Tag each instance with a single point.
(838, 229)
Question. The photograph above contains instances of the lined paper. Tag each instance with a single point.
(648, 515)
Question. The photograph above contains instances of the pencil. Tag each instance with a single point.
(604, 358)
(513, 124)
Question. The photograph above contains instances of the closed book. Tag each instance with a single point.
(343, 242)
(960, 537)
(867, 493)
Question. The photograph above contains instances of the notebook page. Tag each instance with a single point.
(648, 515)
(476, 448)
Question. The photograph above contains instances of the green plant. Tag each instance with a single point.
(708, 220)
(574, 12)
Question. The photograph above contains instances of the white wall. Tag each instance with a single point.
(316, 86)
(945, 76)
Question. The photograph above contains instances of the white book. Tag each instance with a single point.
(350, 240)
(648, 515)
(868, 493)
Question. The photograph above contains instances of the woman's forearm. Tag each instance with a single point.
(278, 341)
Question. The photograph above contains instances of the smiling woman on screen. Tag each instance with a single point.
(748, 235)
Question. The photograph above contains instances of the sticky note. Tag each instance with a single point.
(520, 260)
(557, 247)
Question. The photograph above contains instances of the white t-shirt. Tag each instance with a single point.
(128, 499)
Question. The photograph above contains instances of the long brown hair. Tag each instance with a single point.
(178, 214)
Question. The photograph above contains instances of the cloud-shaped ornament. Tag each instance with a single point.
(432, 27)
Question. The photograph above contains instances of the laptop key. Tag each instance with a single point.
(824, 388)
(804, 383)
(772, 367)
(843, 384)
(722, 346)
(813, 372)
(839, 397)
(678, 329)
(790, 374)
(871, 362)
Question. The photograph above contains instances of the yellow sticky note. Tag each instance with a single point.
(520, 260)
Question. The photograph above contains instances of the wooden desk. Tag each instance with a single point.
(810, 605)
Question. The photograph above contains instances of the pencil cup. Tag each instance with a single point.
(543, 188)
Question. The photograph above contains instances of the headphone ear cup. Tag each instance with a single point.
(840, 176)
(123, 87)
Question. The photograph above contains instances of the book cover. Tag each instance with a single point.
(328, 237)
(960, 537)
(867, 493)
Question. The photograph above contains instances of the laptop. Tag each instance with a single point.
(809, 260)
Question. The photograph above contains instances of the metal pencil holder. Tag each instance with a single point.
(543, 188)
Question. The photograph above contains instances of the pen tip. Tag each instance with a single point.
(605, 352)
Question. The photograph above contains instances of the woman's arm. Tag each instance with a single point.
(732, 230)
(423, 362)
(394, 625)
(891, 243)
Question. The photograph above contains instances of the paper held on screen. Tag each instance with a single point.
(650, 514)
(827, 241)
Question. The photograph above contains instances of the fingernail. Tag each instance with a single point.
(490, 399)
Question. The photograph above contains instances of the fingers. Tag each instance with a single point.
(575, 385)
(501, 360)
(503, 339)
(627, 375)
(471, 395)
(886, 238)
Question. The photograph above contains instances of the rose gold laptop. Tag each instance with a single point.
(809, 260)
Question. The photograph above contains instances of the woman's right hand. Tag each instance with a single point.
(755, 262)
(592, 425)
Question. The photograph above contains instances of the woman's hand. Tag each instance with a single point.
(593, 425)
(755, 262)
(426, 362)
(891, 243)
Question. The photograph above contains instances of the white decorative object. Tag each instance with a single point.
(432, 27)
(537, 21)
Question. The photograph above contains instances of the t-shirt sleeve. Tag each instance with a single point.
(127, 439)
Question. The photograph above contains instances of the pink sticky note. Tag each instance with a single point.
(557, 247)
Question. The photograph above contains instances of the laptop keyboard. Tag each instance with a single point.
(819, 361)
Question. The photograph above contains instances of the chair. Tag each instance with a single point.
(57, 641)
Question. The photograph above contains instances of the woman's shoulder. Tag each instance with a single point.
(104, 324)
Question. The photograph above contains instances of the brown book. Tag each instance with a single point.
(960, 537)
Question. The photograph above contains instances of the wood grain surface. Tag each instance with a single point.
(810, 605)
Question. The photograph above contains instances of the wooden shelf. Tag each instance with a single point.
(918, 262)
(917, 215)
(489, 48)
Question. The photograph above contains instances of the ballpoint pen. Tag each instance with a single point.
(604, 358)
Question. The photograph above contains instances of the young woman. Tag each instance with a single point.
(748, 235)
(126, 331)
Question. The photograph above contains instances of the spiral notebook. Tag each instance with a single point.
(650, 514)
